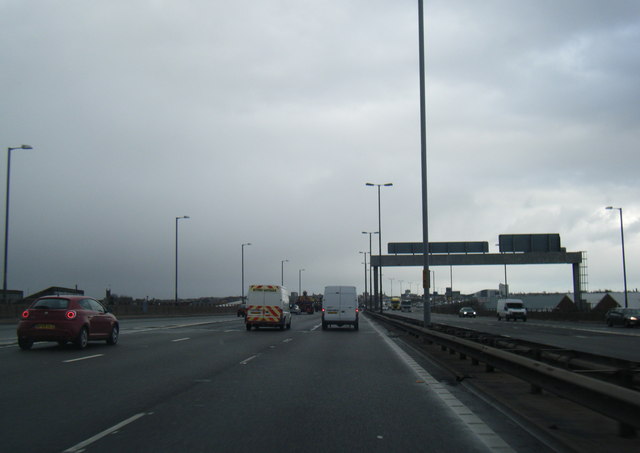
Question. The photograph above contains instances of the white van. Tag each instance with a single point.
(340, 306)
(268, 306)
(511, 309)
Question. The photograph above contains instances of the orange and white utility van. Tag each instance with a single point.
(268, 306)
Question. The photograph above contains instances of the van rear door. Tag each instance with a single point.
(331, 303)
(340, 304)
(348, 304)
(264, 305)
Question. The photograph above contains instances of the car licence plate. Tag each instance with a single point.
(333, 312)
(45, 326)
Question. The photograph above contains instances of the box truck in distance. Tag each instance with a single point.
(340, 306)
(267, 306)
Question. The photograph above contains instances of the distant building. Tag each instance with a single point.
(594, 298)
(543, 302)
(487, 297)
(57, 291)
(556, 301)
(11, 295)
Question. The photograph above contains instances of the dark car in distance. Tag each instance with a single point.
(63, 319)
(467, 312)
(628, 317)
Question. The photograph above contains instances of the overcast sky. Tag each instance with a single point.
(263, 121)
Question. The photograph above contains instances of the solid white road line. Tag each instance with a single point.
(82, 358)
(181, 339)
(78, 447)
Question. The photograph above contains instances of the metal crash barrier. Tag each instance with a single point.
(613, 401)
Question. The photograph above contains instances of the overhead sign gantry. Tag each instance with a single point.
(515, 249)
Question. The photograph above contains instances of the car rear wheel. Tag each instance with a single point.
(25, 343)
(83, 338)
(113, 336)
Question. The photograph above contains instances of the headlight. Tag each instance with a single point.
(633, 318)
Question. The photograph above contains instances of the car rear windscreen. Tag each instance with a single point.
(51, 304)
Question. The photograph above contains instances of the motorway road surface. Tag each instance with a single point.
(595, 338)
(208, 385)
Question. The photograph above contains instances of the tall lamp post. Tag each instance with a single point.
(379, 240)
(364, 293)
(624, 266)
(370, 269)
(282, 271)
(242, 254)
(423, 167)
(178, 218)
(432, 272)
(6, 219)
(300, 282)
(506, 283)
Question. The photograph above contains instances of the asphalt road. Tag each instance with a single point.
(594, 338)
(208, 385)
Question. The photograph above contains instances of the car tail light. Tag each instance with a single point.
(71, 314)
(357, 310)
(25, 314)
(323, 310)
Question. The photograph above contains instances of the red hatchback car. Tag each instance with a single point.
(67, 318)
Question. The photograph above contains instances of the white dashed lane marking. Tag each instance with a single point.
(83, 358)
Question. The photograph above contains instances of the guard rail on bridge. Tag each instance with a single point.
(564, 373)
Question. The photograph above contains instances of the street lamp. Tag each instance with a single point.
(364, 293)
(624, 266)
(6, 219)
(506, 283)
(300, 282)
(282, 271)
(178, 218)
(370, 269)
(379, 239)
(423, 168)
(242, 250)
(432, 272)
